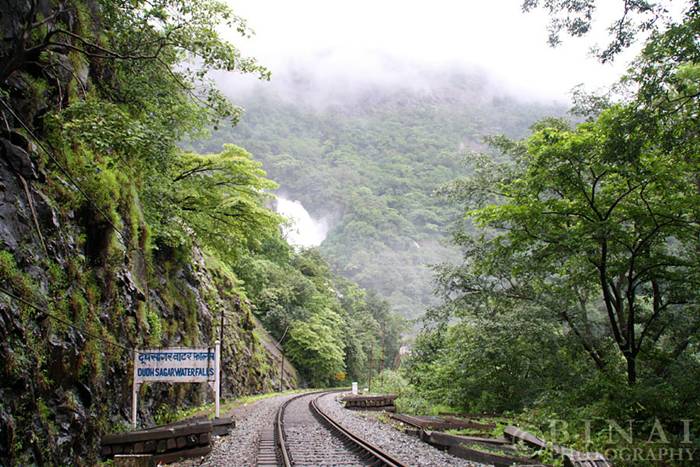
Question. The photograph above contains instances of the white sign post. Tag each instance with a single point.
(177, 365)
(217, 381)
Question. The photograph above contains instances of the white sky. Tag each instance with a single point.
(354, 37)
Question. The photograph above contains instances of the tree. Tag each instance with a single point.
(575, 18)
(615, 199)
(596, 212)
(316, 347)
(218, 196)
(128, 81)
(136, 40)
(492, 365)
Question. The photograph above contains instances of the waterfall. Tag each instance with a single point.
(302, 230)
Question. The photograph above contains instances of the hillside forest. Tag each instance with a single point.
(486, 253)
(115, 238)
(574, 308)
(369, 161)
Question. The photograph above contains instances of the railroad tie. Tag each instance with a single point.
(267, 452)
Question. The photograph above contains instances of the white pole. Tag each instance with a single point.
(134, 393)
(217, 382)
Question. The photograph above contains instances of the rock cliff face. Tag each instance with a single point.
(79, 291)
(62, 386)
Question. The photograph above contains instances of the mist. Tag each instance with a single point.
(321, 81)
(339, 50)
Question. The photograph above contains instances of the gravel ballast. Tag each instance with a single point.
(312, 444)
(240, 447)
(406, 448)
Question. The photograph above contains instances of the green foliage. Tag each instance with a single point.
(331, 326)
(370, 164)
(409, 400)
(495, 366)
(316, 345)
(599, 208)
(108, 128)
(155, 328)
(10, 275)
(577, 296)
(137, 49)
(218, 196)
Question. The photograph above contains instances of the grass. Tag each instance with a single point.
(226, 406)
(469, 432)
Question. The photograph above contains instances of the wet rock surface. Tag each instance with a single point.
(82, 293)
(62, 388)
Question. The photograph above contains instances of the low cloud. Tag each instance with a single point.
(343, 46)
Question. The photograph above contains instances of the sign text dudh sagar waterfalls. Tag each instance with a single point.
(176, 365)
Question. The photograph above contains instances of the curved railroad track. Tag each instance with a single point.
(307, 436)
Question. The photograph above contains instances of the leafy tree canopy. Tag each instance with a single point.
(219, 196)
(581, 241)
(636, 17)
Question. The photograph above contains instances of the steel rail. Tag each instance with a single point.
(380, 457)
(280, 437)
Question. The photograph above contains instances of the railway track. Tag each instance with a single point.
(307, 436)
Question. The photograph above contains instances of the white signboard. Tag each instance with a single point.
(176, 365)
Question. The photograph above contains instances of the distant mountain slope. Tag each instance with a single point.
(369, 160)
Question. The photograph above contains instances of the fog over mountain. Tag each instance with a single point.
(321, 82)
(365, 41)
(372, 109)
(360, 156)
